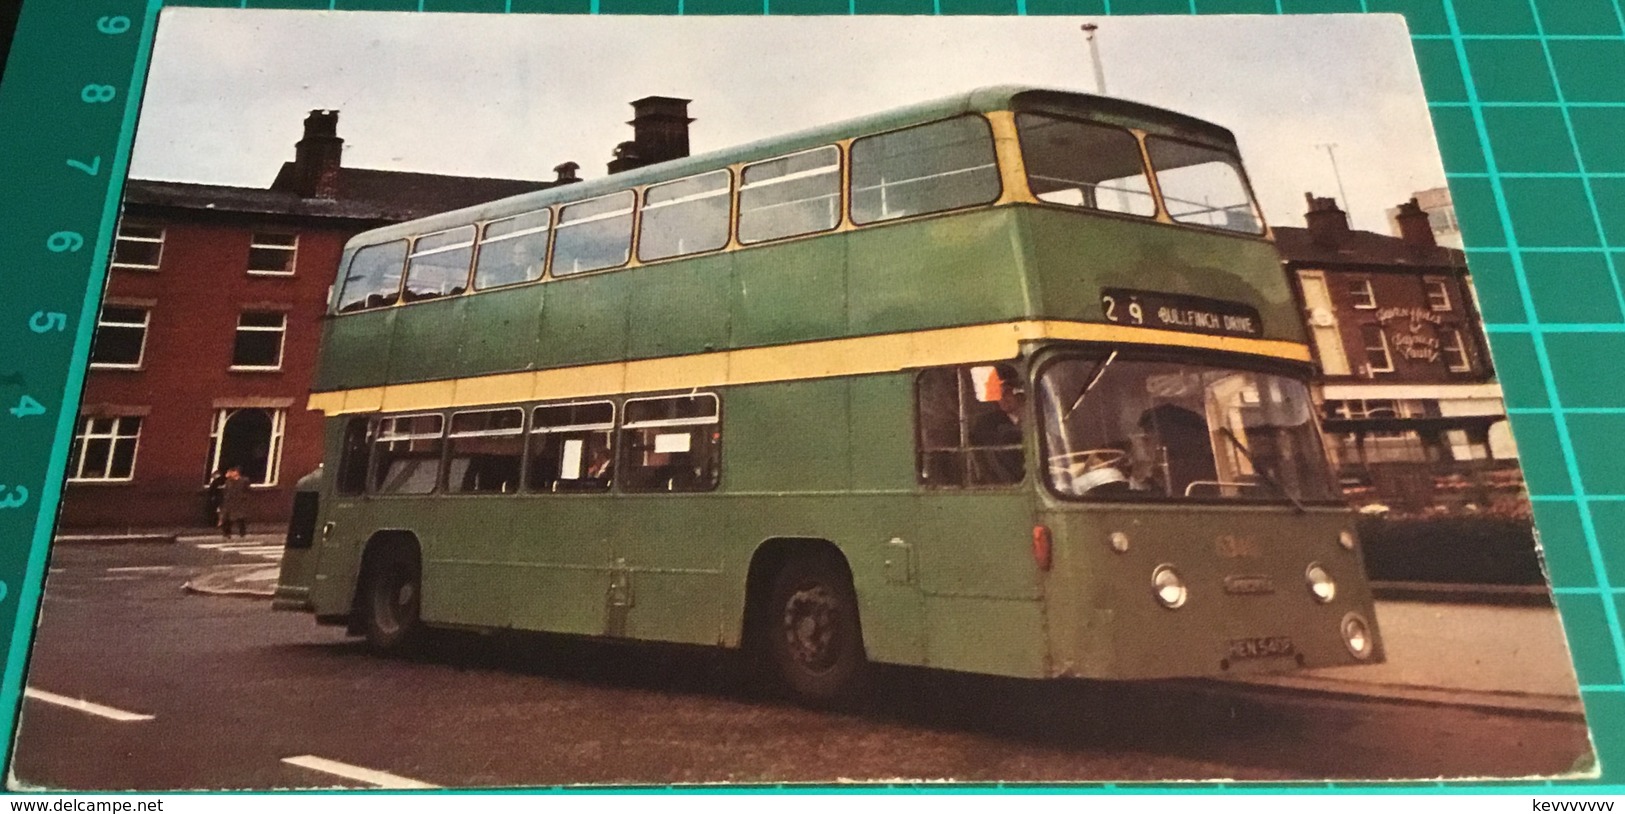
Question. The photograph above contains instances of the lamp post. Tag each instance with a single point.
(1089, 30)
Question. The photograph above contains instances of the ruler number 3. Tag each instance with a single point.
(16, 496)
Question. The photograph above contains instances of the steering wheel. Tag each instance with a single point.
(1086, 460)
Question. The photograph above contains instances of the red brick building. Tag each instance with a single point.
(209, 329)
(1413, 414)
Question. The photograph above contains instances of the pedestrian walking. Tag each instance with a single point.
(234, 503)
(211, 498)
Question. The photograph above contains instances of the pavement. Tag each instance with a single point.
(1458, 648)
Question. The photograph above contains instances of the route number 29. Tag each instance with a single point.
(1135, 314)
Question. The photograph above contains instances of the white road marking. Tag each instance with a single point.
(136, 568)
(84, 706)
(383, 780)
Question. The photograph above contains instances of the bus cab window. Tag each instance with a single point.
(671, 444)
(1124, 428)
(351, 477)
(1092, 166)
(406, 454)
(933, 168)
(373, 277)
(969, 422)
(513, 250)
(438, 266)
(794, 195)
(484, 451)
(570, 447)
(593, 235)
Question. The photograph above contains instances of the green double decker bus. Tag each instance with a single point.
(1009, 383)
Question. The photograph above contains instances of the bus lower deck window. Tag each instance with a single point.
(969, 426)
(406, 454)
(570, 447)
(671, 444)
(484, 449)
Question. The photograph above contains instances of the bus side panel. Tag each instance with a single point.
(981, 635)
(1076, 255)
(882, 520)
(467, 543)
(584, 320)
(339, 561)
(679, 308)
(671, 547)
(355, 350)
(562, 556)
(935, 272)
(427, 338)
(791, 292)
(503, 329)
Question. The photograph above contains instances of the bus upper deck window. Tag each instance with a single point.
(513, 250)
(685, 217)
(593, 235)
(794, 195)
(1082, 164)
(1204, 186)
(932, 168)
(484, 450)
(438, 266)
(373, 277)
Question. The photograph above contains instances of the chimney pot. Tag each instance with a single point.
(1327, 223)
(318, 155)
(659, 133)
(1414, 226)
(566, 173)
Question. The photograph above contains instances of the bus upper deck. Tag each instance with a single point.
(1020, 213)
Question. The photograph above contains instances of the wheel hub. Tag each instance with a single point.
(811, 627)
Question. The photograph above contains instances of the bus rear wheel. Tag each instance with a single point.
(811, 631)
(390, 602)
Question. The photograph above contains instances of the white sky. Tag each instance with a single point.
(514, 95)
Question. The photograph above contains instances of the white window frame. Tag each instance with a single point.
(1387, 351)
(1432, 286)
(273, 455)
(82, 436)
(1458, 349)
(144, 325)
(1370, 295)
(121, 237)
(292, 249)
(281, 341)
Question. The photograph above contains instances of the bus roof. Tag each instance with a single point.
(981, 100)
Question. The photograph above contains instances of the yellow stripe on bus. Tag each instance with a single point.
(806, 360)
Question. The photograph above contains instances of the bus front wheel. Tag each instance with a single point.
(391, 593)
(811, 631)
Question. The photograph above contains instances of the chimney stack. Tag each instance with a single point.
(1327, 223)
(659, 133)
(317, 156)
(566, 173)
(1414, 226)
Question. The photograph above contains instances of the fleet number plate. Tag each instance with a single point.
(1261, 647)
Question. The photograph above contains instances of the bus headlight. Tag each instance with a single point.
(1321, 585)
(1168, 587)
(1357, 636)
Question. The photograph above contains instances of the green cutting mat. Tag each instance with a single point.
(1527, 97)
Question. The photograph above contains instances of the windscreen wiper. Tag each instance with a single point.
(1094, 379)
(1260, 471)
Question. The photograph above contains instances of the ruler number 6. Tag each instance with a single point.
(117, 24)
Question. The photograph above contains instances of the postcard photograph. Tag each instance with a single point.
(536, 401)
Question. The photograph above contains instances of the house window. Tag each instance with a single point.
(121, 338)
(259, 341)
(138, 247)
(248, 439)
(272, 253)
(1438, 294)
(104, 449)
(1454, 350)
(1361, 294)
(1377, 357)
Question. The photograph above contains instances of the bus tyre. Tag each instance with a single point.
(391, 593)
(811, 633)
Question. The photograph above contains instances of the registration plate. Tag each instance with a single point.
(1261, 647)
